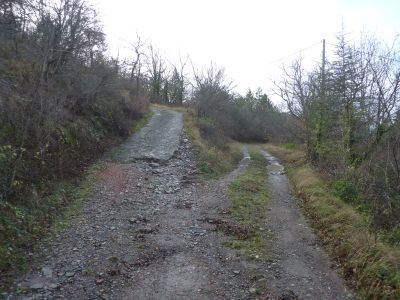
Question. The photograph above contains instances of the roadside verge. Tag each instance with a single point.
(28, 220)
(368, 264)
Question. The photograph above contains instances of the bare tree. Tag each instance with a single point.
(297, 89)
(136, 63)
(156, 69)
(294, 89)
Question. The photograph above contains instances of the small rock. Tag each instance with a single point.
(99, 281)
(113, 259)
(142, 219)
(114, 272)
(52, 286)
(145, 230)
(133, 220)
(237, 272)
(47, 272)
(253, 291)
(138, 219)
(69, 274)
(37, 286)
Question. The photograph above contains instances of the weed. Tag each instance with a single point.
(345, 190)
(212, 161)
(139, 124)
(289, 146)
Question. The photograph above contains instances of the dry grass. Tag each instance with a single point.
(288, 155)
(369, 264)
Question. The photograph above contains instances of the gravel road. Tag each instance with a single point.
(158, 140)
(300, 269)
(148, 231)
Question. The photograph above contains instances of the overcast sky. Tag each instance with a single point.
(250, 39)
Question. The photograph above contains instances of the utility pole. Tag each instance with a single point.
(323, 69)
(322, 98)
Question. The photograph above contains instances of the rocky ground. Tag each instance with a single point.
(150, 231)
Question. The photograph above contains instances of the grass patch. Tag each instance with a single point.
(249, 197)
(290, 146)
(142, 122)
(212, 161)
(114, 152)
(294, 156)
(77, 195)
(368, 263)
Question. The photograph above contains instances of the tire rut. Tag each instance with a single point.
(151, 231)
(301, 269)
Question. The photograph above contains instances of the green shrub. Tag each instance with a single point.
(346, 191)
(393, 237)
(290, 146)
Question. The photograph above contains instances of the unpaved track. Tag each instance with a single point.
(158, 140)
(145, 233)
(300, 267)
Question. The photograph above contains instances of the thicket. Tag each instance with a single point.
(61, 97)
(221, 114)
(349, 109)
(249, 118)
(62, 103)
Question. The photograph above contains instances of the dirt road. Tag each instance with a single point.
(158, 140)
(300, 267)
(145, 233)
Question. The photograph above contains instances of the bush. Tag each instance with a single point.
(62, 104)
(211, 133)
(346, 191)
(393, 237)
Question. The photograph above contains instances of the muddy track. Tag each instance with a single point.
(150, 231)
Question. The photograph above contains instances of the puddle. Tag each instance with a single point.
(274, 167)
(246, 155)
